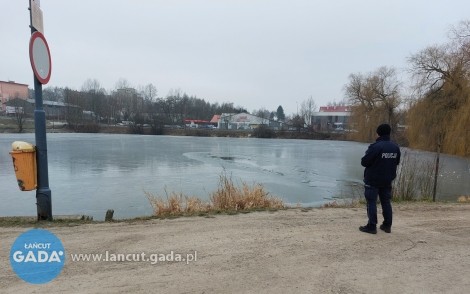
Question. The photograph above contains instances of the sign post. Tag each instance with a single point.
(40, 58)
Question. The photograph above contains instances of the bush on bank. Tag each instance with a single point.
(227, 198)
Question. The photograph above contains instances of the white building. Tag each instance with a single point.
(240, 121)
(331, 118)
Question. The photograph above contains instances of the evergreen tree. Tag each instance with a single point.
(280, 114)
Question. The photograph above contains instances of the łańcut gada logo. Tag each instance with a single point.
(37, 256)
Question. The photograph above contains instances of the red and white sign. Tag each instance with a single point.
(40, 57)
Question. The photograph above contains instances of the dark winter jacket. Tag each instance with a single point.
(381, 160)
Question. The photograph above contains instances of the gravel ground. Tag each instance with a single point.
(316, 250)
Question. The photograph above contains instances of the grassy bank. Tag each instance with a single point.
(59, 221)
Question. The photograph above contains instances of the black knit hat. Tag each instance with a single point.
(384, 130)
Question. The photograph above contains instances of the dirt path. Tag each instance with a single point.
(292, 251)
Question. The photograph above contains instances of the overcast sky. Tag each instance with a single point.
(254, 53)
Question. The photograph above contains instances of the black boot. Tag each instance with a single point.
(385, 228)
(368, 229)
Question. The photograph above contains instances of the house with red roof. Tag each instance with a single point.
(331, 118)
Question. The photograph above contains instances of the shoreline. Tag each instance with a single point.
(198, 132)
(81, 219)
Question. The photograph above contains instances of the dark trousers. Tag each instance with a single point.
(385, 195)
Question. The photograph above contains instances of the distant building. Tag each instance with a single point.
(11, 90)
(240, 121)
(53, 109)
(215, 119)
(331, 118)
(197, 123)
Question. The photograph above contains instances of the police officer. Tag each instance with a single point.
(380, 162)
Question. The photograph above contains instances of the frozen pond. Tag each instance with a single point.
(90, 173)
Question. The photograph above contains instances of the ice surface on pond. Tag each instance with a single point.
(90, 173)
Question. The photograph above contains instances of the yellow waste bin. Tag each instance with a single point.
(24, 162)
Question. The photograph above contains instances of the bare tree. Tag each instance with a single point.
(262, 112)
(359, 93)
(92, 85)
(53, 94)
(297, 122)
(431, 67)
(442, 79)
(149, 92)
(307, 108)
(19, 115)
(375, 98)
(461, 31)
(74, 113)
(386, 87)
(122, 83)
(94, 98)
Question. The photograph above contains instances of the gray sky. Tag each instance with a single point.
(254, 53)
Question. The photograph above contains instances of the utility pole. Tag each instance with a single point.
(41, 64)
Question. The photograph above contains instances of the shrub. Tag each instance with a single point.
(136, 129)
(230, 197)
(414, 179)
(227, 198)
(263, 131)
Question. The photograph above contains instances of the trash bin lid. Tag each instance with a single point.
(22, 146)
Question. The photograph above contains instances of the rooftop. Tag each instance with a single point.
(335, 109)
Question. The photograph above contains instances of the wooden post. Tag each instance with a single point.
(109, 215)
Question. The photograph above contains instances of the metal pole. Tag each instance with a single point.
(436, 172)
(43, 192)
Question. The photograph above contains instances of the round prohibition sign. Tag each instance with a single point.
(40, 57)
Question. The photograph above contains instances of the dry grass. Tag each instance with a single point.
(175, 204)
(411, 185)
(228, 198)
(463, 199)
